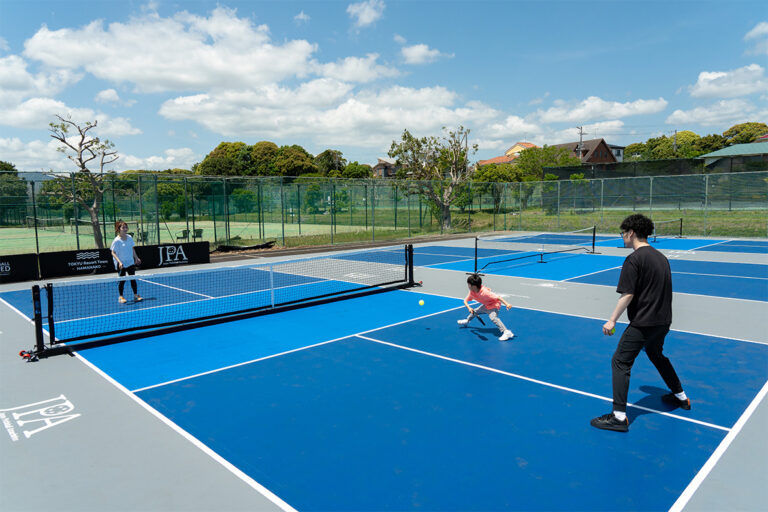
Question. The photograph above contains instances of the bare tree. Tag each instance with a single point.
(440, 164)
(84, 149)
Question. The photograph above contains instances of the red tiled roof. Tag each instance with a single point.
(503, 159)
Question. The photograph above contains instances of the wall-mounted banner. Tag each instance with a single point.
(18, 267)
(75, 263)
(172, 255)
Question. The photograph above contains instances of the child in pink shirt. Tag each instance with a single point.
(490, 305)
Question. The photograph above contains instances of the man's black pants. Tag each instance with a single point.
(632, 341)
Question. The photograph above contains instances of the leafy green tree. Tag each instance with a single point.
(635, 152)
(228, 159)
(13, 194)
(294, 161)
(263, 158)
(356, 170)
(82, 148)
(489, 179)
(744, 133)
(330, 160)
(710, 143)
(532, 161)
(440, 164)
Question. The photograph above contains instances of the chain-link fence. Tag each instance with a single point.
(38, 214)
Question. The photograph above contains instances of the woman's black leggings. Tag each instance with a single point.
(121, 285)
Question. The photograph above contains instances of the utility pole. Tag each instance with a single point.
(674, 144)
(581, 141)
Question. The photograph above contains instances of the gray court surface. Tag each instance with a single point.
(107, 451)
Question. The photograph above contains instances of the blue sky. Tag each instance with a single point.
(168, 81)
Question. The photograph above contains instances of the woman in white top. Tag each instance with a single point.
(125, 258)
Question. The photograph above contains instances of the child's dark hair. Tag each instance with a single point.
(640, 224)
(119, 224)
(475, 280)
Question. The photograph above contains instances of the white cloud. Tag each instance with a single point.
(759, 38)
(597, 108)
(730, 84)
(601, 130)
(18, 84)
(722, 112)
(365, 13)
(513, 127)
(421, 54)
(302, 17)
(35, 155)
(539, 101)
(326, 111)
(107, 96)
(4, 45)
(184, 52)
(182, 158)
(356, 69)
(400, 39)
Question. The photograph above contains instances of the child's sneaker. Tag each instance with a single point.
(138, 298)
(506, 335)
(463, 322)
(121, 300)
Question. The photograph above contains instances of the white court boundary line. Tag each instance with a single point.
(299, 349)
(694, 485)
(192, 439)
(540, 382)
(603, 318)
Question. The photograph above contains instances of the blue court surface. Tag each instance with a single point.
(733, 280)
(393, 407)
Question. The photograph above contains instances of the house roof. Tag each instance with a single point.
(522, 144)
(754, 148)
(589, 145)
(503, 159)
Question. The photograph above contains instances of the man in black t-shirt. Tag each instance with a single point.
(645, 285)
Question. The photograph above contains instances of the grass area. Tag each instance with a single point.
(247, 230)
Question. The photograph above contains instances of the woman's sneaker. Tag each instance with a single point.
(463, 322)
(506, 335)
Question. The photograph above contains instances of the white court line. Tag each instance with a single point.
(602, 319)
(177, 289)
(25, 317)
(591, 273)
(720, 275)
(709, 245)
(192, 439)
(543, 383)
(719, 451)
(223, 368)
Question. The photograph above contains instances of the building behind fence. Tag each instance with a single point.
(37, 213)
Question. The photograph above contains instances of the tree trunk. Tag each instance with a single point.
(93, 210)
(446, 214)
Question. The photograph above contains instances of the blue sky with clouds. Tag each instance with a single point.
(168, 81)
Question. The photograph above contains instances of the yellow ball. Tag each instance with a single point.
(613, 331)
(421, 303)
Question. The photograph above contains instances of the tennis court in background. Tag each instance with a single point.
(378, 403)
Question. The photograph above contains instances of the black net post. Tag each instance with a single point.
(409, 264)
(51, 328)
(476, 255)
(39, 341)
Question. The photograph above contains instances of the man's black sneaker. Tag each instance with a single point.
(671, 399)
(610, 422)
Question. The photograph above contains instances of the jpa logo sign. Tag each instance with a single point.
(30, 419)
(171, 255)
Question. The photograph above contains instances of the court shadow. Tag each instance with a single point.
(652, 400)
(484, 333)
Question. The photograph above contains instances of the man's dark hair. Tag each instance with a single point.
(475, 280)
(640, 224)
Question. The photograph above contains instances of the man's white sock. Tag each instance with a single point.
(621, 416)
(681, 396)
